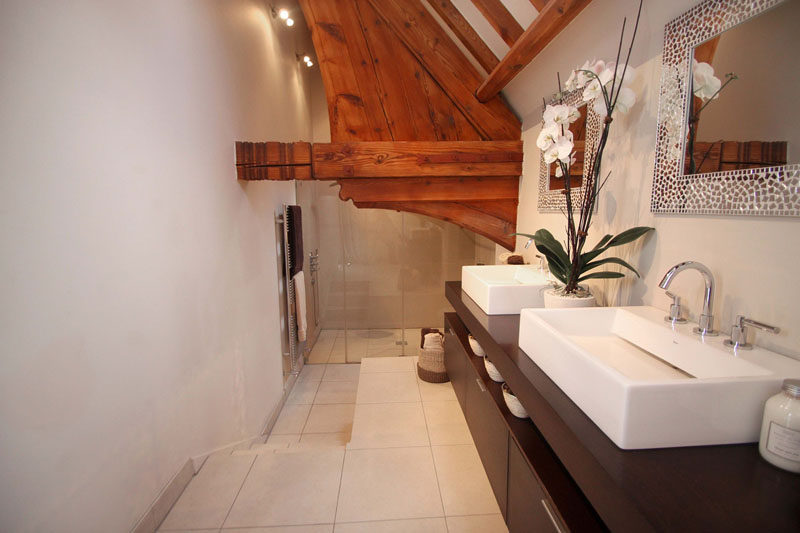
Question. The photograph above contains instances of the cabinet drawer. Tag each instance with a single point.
(489, 433)
(529, 509)
(455, 356)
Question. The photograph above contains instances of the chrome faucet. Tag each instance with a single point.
(528, 244)
(706, 322)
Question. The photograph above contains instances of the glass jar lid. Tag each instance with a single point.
(792, 386)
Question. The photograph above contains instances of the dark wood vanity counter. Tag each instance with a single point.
(703, 488)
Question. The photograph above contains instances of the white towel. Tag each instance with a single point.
(299, 281)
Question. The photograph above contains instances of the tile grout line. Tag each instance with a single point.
(339, 492)
(255, 457)
(433, 459)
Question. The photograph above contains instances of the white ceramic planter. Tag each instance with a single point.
(492, 371)
(476, 348)
(513, 403)
(553, 300)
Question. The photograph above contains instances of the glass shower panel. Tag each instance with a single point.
(373, 251)
(435, 252)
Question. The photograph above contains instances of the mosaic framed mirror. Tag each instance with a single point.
(586, 134)
(728, 140)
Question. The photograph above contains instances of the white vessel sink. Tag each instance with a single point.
(504, 289)
(649, 384)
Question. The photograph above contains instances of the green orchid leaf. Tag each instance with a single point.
(629, 235)
(602, 242)
(602, 275)
(607, 260)
(544, 239)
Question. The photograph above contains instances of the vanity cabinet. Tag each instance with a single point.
(560, 472)
(524, 502)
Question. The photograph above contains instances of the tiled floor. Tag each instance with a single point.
(410, 464)
(331, 347)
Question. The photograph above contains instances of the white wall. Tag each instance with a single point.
(139, 310)
(754, 259)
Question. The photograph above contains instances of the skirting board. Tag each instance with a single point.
(159, 509)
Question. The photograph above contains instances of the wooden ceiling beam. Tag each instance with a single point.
(555, 16)
(378, 159)
(416, 158)
(465, 33)
(501, 19)
(466, 214)
(426, 39)
(539, 4)
(430, 189)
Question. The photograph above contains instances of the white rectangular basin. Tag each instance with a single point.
(648, 383)
(504, 289)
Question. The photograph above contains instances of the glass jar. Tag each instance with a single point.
(780, 430)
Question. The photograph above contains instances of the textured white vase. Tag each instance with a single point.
(553, 300)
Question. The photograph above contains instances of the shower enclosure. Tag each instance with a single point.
(377, 276)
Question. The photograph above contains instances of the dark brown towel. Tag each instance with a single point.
(294, 226)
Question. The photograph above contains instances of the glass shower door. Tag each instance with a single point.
(373, 251)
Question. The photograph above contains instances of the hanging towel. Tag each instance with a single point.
(299, 281)
(295, 231)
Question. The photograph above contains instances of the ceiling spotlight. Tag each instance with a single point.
(289, 22)
(307, 59)
(284, 14)
(309, 63)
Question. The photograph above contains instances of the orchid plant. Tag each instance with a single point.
(606, 87)
(707, 87)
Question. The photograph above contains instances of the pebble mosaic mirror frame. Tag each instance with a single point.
(553, 200)
(770, 191)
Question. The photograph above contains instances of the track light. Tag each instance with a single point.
(282, 14)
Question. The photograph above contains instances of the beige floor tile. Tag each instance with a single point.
(492, 523)
(384, 351)
(209, 495)
(278, 441)
(388, 484)
(387, 364)
(336, 392)
(342, 373)
(323, 440)
(385, 387)
(340, 357)
(303, 392)
(291, 420)
(436, 392)
(320, 352)
(463, 482)
(334, 418)
(285, 489)
(319, 528)
(328, 334)
(311, 373)
(446, 423)
(387, 425)
(419, 525)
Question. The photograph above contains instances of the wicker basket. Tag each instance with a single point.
(430, 367)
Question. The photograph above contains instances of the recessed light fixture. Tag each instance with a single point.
(305, 58)
(282, 14)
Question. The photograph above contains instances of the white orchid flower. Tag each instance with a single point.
(599, 107)
(706, 85)
(625, 100)
(547, 137)
(559, 172)
(630, 74)
(592, 91)
(550, 155)
(561, 114)
(564, 148)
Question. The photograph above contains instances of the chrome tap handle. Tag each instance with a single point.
(738, 338)
(674, 315)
